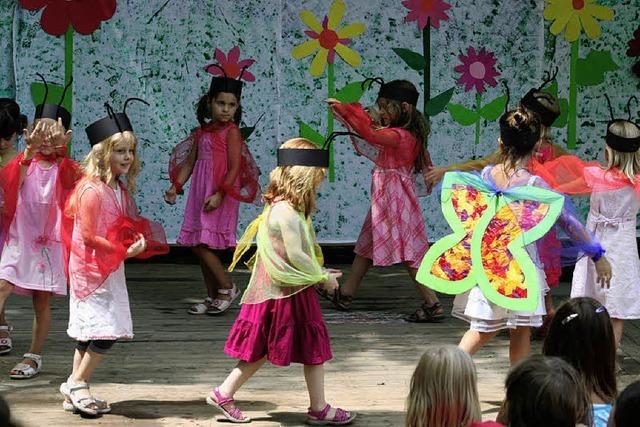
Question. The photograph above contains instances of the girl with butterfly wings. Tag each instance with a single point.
(490, 259)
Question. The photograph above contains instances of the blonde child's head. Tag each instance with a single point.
(443, 391)
(113, 157)
(626, 162)
(296, 184)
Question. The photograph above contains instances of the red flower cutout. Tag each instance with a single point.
(424, 11)
(84, 16)
(231, 65)
(478, 69)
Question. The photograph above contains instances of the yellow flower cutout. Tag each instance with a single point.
(327, 39)
(574, 15)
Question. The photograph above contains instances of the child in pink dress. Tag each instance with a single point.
(393, 231)
(12, 124)
(223, 173)
(280, 319)
(35, 185)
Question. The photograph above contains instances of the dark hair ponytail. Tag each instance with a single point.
(519, 132)
(203, 110)
(11, 121)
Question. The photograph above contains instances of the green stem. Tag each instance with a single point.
(478, 105)
(331, 84)
(426, 53)
(573, 97)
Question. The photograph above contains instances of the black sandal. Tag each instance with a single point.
(342, 302)
(323, 293)
(427, 314)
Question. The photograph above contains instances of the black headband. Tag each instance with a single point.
(225, 84)
(108, 126)
(617, 142)
(392, 91)
(529, 101)
(313, 157)
(53, 111)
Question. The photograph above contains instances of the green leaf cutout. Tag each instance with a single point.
(53, 97)
(591, 70)
(414, 60)
(438, 103)
(311, 134)
(552, 89)
(494, 109)
(561, 121)
(462, 114)
(351, 92)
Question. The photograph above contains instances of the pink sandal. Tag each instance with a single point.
(234, 415)
(319, 418)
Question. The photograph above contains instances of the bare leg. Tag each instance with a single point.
(210, 281)
(77, 359)
(618, 326)
(472, 341)
(239, 375)
(314, 377)
(519, 344)
(41, 321)
(548, 304)
(82, 374)
(214, 265)
(428, 294)
(359, 268)
(6, 289)
(3, 321)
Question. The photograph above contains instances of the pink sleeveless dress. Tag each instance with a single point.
(216, 229)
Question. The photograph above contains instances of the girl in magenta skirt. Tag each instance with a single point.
(280, 319)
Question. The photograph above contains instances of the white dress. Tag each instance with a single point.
(612, 219)
(485, 316)
(105, 313)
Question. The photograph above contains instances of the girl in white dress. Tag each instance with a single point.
(106, 231)
(612, 219)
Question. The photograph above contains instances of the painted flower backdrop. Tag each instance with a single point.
(326, 39)
(477, 70)
(231, 64)
(634, 51)
(572, 17)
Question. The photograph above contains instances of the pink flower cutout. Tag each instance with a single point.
(426, 11)
(231, 64)
(84, 16)
(477, 70)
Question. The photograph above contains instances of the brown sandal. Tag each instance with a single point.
(342, 302)
(427, 314)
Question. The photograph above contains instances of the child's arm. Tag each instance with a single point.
(89, 206)
(357, 119)
(234, 153)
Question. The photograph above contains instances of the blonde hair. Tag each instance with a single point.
(97, 164)
(627, 163)
(295, 184)
(443, 391)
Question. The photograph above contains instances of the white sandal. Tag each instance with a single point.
(82, 404)
(5, 342)
(67, 404)
(201, 307)
(25, 371)
(222, 305)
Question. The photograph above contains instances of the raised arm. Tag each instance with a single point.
(357, 120)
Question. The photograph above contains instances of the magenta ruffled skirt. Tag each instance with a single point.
(287, 330)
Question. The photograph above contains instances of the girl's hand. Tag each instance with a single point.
(434, 176)
(332, 102)
(603, 272)
(212, 203)
(34, 139)
(331, 284)
(137, 247)
(57, 135)
(170, 195)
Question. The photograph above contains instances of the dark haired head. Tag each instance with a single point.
(11, 121)
(405, 115)
(581, 334)
(626, 412)
(546, 391)
(519, 133)
(203, 109)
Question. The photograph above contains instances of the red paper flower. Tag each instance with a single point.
(231, 65)
(634, 51)
(478, 69)
(424, 11)
(84, 15)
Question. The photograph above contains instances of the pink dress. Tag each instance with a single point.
(393, 231)
(216, 229)
(33, 255)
